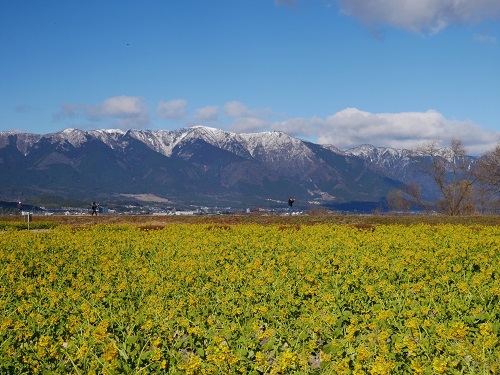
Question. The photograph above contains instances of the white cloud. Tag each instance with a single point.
(345, 129)
(172, 110)
(352, 127)
(247, 120)
(237, 109)
(301, 127)
(249, 125)
(421, 15)
(121, 106)
(122, 112)
(208, 113)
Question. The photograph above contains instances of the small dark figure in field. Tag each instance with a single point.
(290, 204)
(95, 208)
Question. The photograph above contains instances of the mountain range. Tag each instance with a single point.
(197, 166)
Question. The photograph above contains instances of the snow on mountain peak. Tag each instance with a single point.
(23, 141)
(75, 137)
(213, 134)
(223, 139)
(271, 145)
(205, 127)
(112, 131)
(366, 150)
(275, 145)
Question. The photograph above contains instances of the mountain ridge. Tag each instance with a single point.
(197, 165)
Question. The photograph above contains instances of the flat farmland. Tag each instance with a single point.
(250, 294)
(263, 219)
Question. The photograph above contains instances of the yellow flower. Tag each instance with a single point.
(441, 330)
(440, 365)
(412, 323)
(285, 361)
(44, 341)
(485, 328)
(363, 353)
(417, 367)
(191, 365)
(381, 366)
(147, 325)
(384, 314)
(156, 354)
(411, 344)
(110, 352)
(458, 330)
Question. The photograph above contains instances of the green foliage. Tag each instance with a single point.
(247, 298)
(14, 225)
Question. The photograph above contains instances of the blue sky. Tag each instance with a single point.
(394, 73)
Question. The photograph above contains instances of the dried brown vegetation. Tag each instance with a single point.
(219, 227)
(289, 227)
(365, 222)
(151, 227)
(364, 226)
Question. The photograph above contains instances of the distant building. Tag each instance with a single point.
(183, 213)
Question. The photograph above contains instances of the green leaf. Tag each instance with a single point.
(330, 349)
(123, 354)
(132, 339)
(146, 355)
(302, 336)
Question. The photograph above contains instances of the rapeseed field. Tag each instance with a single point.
(251, 299)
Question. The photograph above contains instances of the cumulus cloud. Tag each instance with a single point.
(240, 118)
(237, 109)
(123, 112)
(245, 119)
(172, 110)
(345, 129)
(352, 127)
(208, 113)
(421, 15)
(250, 125)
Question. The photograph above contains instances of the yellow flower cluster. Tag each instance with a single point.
(247, 298)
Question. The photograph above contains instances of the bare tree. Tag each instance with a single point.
(414, 192)
(397, 201)
(488, 181)
(488, 171)
(451, 171)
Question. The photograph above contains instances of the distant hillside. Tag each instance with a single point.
(196, 166)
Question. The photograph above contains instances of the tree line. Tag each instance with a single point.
(463, 185)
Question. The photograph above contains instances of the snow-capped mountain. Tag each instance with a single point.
(393, 162)
(198, 165)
